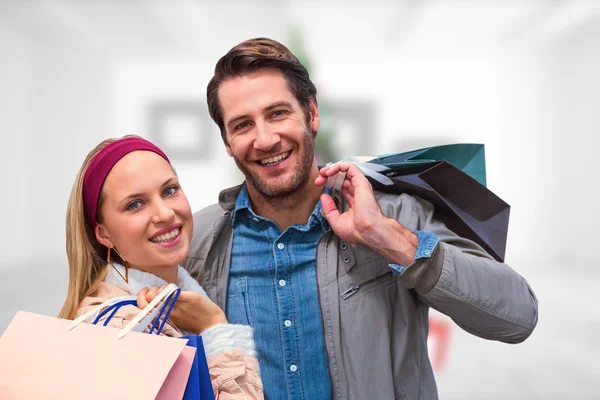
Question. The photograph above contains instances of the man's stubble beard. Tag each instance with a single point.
(299, 179)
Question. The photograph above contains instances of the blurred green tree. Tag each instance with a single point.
(324, 151)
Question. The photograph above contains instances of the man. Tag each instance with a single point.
(337, 286)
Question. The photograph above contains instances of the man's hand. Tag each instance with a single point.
(192, 311)
(363, 222)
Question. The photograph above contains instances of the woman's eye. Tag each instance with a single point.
(134, 205)
(170, 191)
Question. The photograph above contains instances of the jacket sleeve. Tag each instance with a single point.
(232, 362)
(483, 296)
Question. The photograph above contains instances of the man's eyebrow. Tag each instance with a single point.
(134, 195)
(279, 104)
(268, 108)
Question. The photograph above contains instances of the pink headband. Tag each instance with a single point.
(102, 164)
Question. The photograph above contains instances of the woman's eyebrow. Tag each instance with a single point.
(134, 195)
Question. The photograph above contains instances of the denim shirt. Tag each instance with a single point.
(273, 288)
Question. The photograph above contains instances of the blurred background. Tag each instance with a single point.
(519, 76)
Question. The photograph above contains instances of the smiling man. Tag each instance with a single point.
(270, 138)
(337, 286)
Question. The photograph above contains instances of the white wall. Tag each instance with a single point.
(16, 98)
(55, 109)
(575, 134)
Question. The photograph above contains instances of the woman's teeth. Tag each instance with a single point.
(275, 160)
(167, 237)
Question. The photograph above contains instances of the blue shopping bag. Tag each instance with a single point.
(199, 385)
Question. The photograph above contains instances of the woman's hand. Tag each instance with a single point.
(192, 311)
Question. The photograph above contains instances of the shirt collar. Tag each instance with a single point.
(243, 203)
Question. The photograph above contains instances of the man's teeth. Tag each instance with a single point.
(166, 237)
(275, 160)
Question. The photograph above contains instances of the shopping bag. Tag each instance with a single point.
(468, 157)
(43, 357)
(453, 179)
(198, 385)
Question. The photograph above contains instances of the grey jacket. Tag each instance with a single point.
(375, 322)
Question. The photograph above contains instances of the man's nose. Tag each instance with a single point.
(266, 137)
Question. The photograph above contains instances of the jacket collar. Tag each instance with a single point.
(228, 197)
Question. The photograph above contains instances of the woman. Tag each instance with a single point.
(127, 204)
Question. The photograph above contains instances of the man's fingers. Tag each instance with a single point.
(353, 173)
(320, 180)
(347, 167)
(330, 211)
(349, 196)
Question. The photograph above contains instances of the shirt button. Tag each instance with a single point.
(281, 246)
(288, 323)
(255, 219)
(293, 368)
(281, 282)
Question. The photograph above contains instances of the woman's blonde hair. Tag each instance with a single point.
(87, 257)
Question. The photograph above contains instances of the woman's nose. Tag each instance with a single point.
(162, 212)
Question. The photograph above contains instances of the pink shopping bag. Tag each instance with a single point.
(44, 357)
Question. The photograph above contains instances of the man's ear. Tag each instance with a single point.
(102, 236)
(226, 143)
(228, 149)
(315, 117)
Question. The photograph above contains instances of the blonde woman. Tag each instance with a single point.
(129, 226)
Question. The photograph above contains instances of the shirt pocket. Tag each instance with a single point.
(238, 305)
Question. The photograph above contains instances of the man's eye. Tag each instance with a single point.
(134, 205)
(278, 113)
(242, 126)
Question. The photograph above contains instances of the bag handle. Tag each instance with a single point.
(117, 302)
(96, 310)
(157, 315)
(151, 309)
(372, 170)
(165, 317)
(114, 308)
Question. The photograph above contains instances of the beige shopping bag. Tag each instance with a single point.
(44, 357)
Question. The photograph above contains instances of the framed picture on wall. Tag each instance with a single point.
(183, 129)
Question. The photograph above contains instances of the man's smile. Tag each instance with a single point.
(271, 161)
